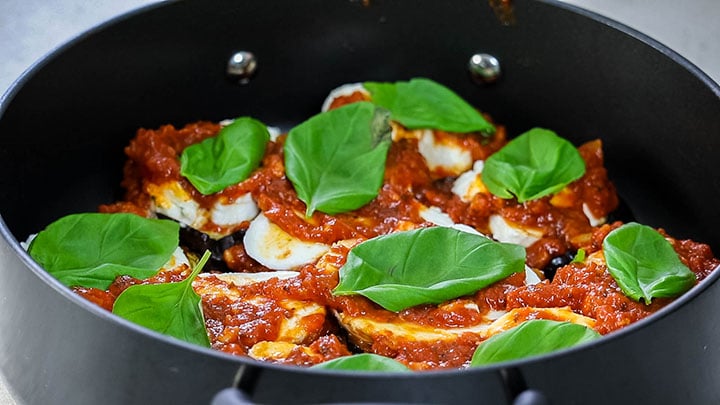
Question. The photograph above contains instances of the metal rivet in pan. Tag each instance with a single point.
(484, 67)
(241, 66)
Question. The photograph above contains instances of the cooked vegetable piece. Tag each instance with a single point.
(531, 338)
(172, 309)
(227, 158)
(422, 103)
(91, 250)
(336, 159)
(644, 264)
(427, 265)
(533, 165)
(363, 362)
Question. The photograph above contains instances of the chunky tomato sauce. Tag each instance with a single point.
(242, 318)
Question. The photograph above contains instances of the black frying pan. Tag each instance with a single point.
(63, 127)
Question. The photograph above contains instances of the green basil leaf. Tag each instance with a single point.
(427, 265)
(91, 250)
(172, 309)
(531, 338)
(579, 256)
(363, 362)
(227, 158)
(423, 103)
(533, 165)
(336, 160)
(644, 263)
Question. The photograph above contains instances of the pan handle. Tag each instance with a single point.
(235, 396)
(518, 391)
(231, 396)
(531, 397)
(247, 377)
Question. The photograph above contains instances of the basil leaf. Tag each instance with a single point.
(336, 160)
(91, 250)
(363, 362)
(428, 265)
(533, 165)
(579, 256)
(644, 264)
(227, 158)
(172, 309)
(531, 338)
(423, 103)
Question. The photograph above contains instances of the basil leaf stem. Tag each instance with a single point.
(336, 159)
(531, 338)
(172, 309)
(422, 103)
(644, 263)
(363, 362)
(227, 158)
(427, 265)
(92, 249)
(533, 165)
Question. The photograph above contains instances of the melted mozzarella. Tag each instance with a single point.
(365, 330)
(344, 90)
(241, 279)
(241, 210)
(468, 184)
(594, 221)
(446, 157)
(301, 322)
(436, 216)
(503, 231)
(177, 259)
(276, 249)
(172, 201)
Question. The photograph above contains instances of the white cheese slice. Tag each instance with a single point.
(177, 259)
(241, 210)
(436, 216)
(594, 221)
(503, 231)
(26, 244)
(276, 249)
(172, 201)
(241, 279)
(344, 90)
(274, 132)
(531, 278)
(446, 157)
(299, 325)
(365, 330)
(468, 184)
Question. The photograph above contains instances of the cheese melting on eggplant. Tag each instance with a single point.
(298, 326)
(173, 201)
(276, 249)
(365, 331)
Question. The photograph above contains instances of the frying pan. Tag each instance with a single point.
(64, 124)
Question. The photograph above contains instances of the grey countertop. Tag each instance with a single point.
(31, 28)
